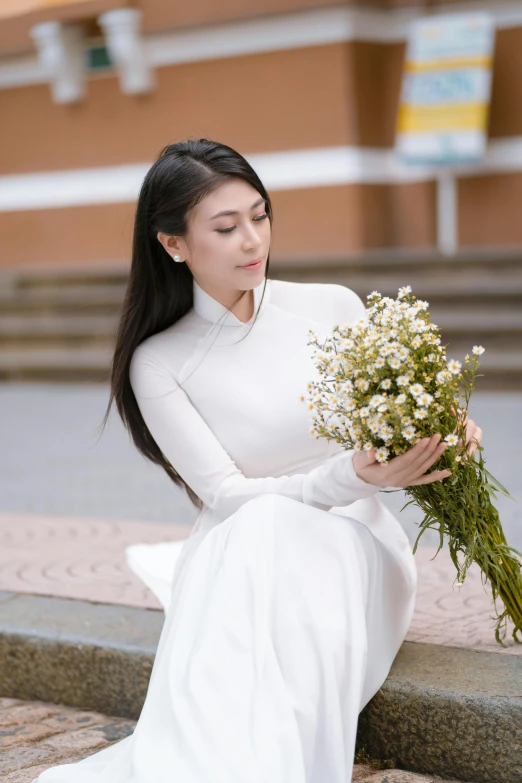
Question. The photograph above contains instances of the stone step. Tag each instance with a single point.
(65, 364)
(53, 325)
(96, 299)
(504, 319)
(434, 288)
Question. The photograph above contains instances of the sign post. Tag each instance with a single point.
(444, 104)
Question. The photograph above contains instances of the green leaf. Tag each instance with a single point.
(496, 484)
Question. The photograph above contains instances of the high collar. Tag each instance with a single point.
(211, 310)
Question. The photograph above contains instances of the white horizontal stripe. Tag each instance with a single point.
(74, 187)
(276, 32)
(287, 170)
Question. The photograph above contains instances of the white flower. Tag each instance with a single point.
(403, 352)
(383, 407)
(416, 342)
(367, 447)
(402, 380)
(416, 389)
(424, 399)
(386, 433)
(376, 400)
(386, 383)
(451, 439)
(381, 454)
(379, 362)
(394, 362)
(349, 404)
(454, 366)
(406, 289)
(458, 459)
(401, 399)
(409, 432)
(361, 384)
(443, 375)
(364, 412)
(478, 350)
(420, 413)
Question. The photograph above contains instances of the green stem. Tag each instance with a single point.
(463, 511)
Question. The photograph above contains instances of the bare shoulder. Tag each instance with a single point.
(333, 302)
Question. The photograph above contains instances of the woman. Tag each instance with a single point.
(296, 587)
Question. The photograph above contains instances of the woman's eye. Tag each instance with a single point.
(228, 230)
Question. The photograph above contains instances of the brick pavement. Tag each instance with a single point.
(84, 559)
(36, 735)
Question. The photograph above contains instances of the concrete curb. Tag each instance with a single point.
(448, 711)
(442, 710)
(76, 653)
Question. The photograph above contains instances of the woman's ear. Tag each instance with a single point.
(169, 242)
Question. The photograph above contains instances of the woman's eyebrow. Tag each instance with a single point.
(234, 211)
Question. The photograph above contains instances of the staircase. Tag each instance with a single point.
(60, 325)
(473, 300)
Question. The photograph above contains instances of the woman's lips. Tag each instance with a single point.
(253, 265)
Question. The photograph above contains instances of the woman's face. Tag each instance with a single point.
(218, 246)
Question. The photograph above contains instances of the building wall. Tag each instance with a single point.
(339, 95)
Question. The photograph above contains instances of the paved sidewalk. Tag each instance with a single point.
(84, 559)
(36, 735)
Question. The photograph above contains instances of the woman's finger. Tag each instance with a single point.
(437, 475)
(474, 440)
(430, 460)
(426, 458)
(470, 429)
(403, 463)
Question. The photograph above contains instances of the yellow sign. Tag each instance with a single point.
(444, 104)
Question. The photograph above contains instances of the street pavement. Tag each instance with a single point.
(55, 462)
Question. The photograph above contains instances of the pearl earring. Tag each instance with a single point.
(176, 257)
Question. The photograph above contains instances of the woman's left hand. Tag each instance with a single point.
(473, 434)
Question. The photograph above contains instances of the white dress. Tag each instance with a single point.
(288, 602)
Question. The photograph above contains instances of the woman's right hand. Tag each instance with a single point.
(406, 470)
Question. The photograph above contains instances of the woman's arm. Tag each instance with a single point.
(196, 454)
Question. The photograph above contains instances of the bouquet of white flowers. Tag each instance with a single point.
(385, 384)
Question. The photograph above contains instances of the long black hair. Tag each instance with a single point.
(160, 292)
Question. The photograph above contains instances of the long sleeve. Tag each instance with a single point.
(195, 453)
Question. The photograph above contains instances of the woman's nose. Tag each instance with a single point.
(253, 237)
